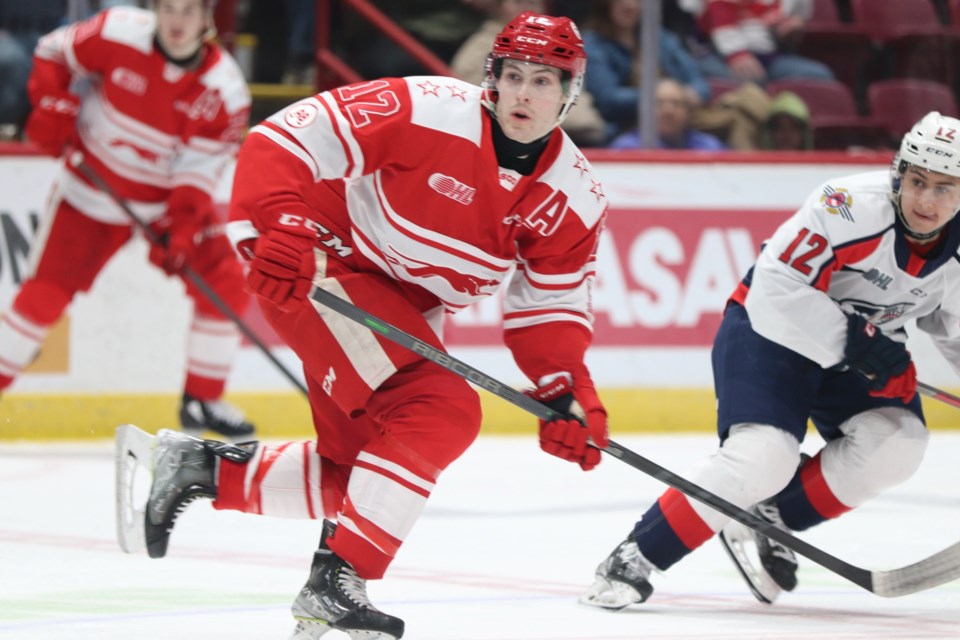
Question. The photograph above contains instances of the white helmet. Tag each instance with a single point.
(933, 144)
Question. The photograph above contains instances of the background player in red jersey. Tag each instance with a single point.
(816, 332)
(157, 109)
(410, 197)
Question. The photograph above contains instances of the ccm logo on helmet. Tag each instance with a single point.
(939, 152)
(536, 41)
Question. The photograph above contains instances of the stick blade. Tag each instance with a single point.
(938, 569)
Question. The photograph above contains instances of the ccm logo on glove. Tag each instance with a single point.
(885, 362)
(582, 424)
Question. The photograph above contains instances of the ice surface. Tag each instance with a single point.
(507, 543)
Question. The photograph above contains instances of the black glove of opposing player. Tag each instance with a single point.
(872, 353)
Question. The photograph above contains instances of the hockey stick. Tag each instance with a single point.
(76, 159)
(938, 569)
(937, 394)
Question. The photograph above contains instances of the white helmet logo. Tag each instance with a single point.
(301, 115)
(536, 41)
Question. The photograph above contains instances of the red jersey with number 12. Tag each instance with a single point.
(401, 175)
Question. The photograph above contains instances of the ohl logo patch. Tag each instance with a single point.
(837, 202)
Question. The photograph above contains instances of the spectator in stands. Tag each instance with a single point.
(21, 25)
(788, 126)
(611, 39)
(674, 130)
(301, 37)
(749, 37)
(584, 124)
(285, 45)
(83, 9)
(576, 10)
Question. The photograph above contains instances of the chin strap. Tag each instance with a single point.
(898, 168)
(910, 232)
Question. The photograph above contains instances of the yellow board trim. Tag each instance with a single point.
(36, 416)
(287, 92)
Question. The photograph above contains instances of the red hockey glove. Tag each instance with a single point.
(903, 386)
(52, 124)
(175, 247)
(582, 431)
(283, 266)
(883, 361)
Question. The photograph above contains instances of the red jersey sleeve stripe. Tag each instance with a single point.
(282, 138)
(334, 124)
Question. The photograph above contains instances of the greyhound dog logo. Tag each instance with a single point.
(459, 282)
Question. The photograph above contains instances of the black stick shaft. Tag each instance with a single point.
(859, 576)
(937, 394)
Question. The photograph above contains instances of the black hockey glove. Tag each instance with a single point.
(873, 354)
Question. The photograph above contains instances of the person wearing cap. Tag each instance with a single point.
(788, 125)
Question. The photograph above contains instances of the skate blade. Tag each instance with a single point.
(134, 463)
(610, 595)
(309, 630)
(312, 629)
(740, 545)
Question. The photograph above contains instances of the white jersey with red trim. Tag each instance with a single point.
(744, 25)
(147, 125)
(845, 251)
(406, 167)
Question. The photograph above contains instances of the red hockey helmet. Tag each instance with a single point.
(539, 39)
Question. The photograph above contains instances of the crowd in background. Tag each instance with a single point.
(725, 66)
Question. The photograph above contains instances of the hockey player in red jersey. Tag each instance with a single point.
(157, 110)
(412, 198)
(816, 331)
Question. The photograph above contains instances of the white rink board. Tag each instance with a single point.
(128, 333)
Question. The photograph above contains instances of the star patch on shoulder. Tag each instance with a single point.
(837, 202)
(429, 88)
(457, 92)
(597, 190)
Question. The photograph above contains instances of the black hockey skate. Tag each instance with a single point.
(622, 579)
(779, 561)
(184, 470)
(215, 415)
(335, 597)
(777, 570)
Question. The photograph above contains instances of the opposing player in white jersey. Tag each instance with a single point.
(816, 331)
(412, 198)
(157, 110)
